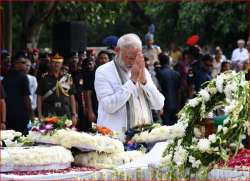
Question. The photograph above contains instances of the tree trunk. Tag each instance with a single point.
(33, 35)
(33, 23)
(1, 29)
(9, 28)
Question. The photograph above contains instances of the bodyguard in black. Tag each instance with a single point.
(18, 105)
(2, 108)
(169, 81)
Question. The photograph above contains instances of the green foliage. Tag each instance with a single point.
(216, 23)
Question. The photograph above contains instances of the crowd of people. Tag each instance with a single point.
(35, 84)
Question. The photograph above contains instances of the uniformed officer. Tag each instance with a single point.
(56, 92)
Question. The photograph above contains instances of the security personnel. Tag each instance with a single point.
(56, 92)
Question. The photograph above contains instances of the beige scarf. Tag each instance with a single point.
(138, 109)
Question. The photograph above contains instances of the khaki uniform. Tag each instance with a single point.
(56, 92)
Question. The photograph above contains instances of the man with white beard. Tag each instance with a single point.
(240, 55)
(125, 90)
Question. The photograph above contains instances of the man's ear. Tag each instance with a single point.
(117, 50)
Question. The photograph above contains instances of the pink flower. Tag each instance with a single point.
(43, 131)
(48, 126)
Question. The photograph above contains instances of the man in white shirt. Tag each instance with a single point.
(240, 55)
(124, 88)
(32, 85)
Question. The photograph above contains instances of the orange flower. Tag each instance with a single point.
(52, 120)
(104, 130)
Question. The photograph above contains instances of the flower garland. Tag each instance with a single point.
(49, 124)
(11, 138)
(190, 155)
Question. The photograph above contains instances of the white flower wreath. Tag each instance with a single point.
(188, 154)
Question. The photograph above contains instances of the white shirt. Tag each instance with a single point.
(113, 96)
(32, 87)
(240, 55)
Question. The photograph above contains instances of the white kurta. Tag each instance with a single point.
(32, 87)
(113, 96)
(240, 55)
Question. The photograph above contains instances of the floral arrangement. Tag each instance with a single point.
(159, 133)
(152, 134)
(27, 158)
(9, 134)
(189, 154)
(103, 131)
(11, 138)
(70, 138)
(49, 124)
(137, 137)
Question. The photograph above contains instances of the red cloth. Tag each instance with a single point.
(34, 50)
(193, 40)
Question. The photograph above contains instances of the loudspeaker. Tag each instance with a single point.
(68, 37)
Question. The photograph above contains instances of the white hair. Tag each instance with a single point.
(129, 40)
(241, 41)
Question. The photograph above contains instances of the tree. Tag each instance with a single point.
(33, 20)
(215, 22)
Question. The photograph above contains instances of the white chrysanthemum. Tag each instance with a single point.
(5, 158)
(157, 134)
(194, 140)
(166, 160)
(219, 83)
(197, 133)
(195, 163)
(225, 129)
(233, 145)
(235, 125)
(212, 90)
(244, 83)
(180, 156)
(219, 128)
(215, 148)
(203, 145)
(212, 138)
(39, 155)
(242, 137)
(9, 134)
(229, 89)
(226, 121)
(230, 107)
(177, 130)
(228, 101)
(142, 137)
(68, 122)
(194, 102)
(204, 94)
